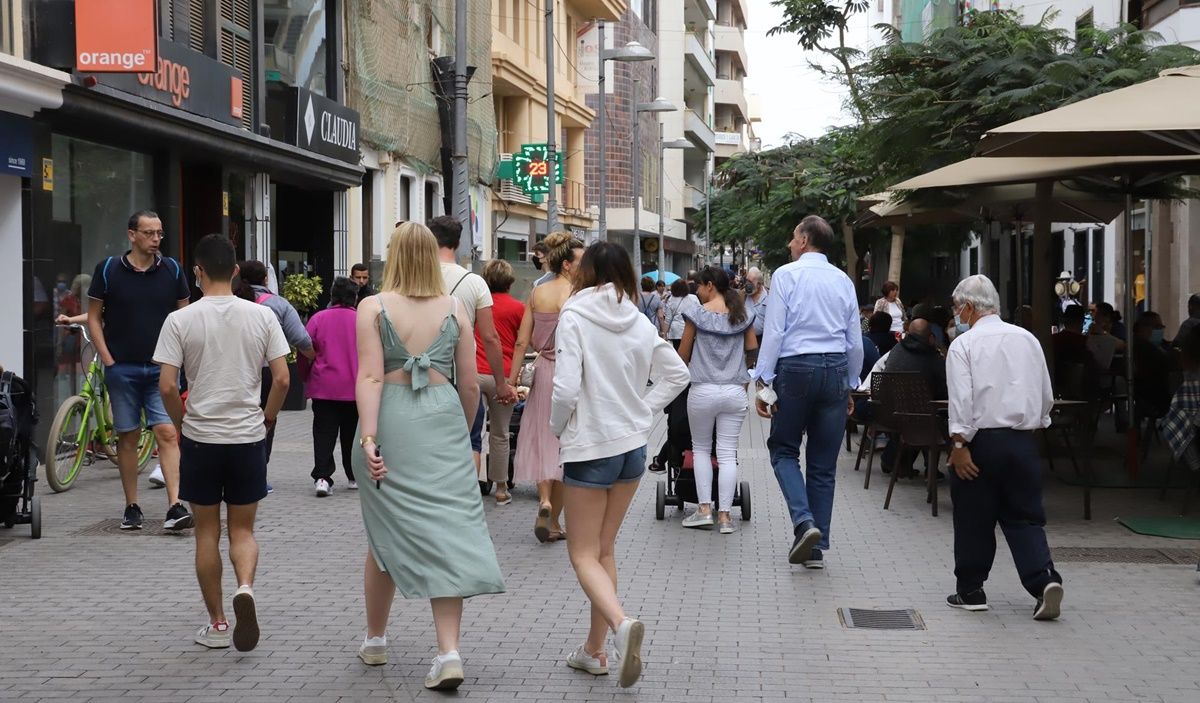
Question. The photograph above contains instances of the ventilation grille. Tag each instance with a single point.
(881, 619)
(236, 50)
(196, 27)
(1126, 555)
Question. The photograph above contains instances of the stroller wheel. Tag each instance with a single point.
(660, 500)
(35, 517)
(745, 491)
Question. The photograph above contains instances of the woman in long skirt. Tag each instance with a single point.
(417, 394)
(537, 460)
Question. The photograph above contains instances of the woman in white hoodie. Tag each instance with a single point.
(602, 413)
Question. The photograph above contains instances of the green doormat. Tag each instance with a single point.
(1173, 527)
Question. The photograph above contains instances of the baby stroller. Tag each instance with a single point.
(679, 487)
(18, 460)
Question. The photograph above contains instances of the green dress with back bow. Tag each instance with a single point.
(425, 523)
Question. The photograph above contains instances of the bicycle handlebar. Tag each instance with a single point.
(81, 328)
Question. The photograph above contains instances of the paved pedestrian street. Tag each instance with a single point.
(90, 614)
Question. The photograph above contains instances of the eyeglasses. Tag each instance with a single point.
(153, 233)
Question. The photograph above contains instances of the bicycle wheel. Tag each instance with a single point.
(145, 449)
(69, 436)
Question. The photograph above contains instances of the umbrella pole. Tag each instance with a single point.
(1131, 433)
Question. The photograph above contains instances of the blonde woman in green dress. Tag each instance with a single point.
(417, 394)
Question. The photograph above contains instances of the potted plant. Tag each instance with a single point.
(302, 291)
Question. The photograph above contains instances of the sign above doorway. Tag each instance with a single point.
(115, 36)
(323, 126)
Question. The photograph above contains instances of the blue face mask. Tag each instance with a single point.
(1156, 337)
(959, 325)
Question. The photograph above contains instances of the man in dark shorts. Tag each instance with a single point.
(130, 297)
(222, 341)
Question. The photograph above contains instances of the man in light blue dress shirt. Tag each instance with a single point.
(811, 355)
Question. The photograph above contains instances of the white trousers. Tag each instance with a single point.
(722, 406)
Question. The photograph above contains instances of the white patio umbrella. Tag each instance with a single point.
(1158, 117)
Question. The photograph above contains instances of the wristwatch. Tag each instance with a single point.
(366, 439)
(960, 445)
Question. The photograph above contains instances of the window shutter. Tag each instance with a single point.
(236, 51)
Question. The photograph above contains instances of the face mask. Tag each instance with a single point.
(536, 261)
(62, 286)
(959, 325)
(1156, 337)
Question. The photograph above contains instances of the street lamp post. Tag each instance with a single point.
(633, 51)
(663, 146)
(636, 109)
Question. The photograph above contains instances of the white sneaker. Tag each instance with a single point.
(699, 520)
(373, 651)
(353, 485)
(446, 674)
(245, 627)
(581, 660)
(323, 488)
(156, 477)
(628, 642)
(214, 636)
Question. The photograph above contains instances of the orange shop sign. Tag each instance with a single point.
(115, 36)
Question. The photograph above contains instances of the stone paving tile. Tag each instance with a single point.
(110, 617)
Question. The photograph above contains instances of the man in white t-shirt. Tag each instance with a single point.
(472, 291)
(222, 341)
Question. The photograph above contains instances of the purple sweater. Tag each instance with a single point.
(334, 371)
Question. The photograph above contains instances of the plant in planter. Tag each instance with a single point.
(302, 291)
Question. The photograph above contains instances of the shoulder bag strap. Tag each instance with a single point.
(456, 285)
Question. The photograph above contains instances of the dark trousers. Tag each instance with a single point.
(812, 412)
(1007, 491)
(333, 419)
(262, 403)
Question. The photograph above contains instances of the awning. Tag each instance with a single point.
(1030, 169)
(1005, 203)
(1158, 117)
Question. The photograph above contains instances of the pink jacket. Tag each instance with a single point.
(334, 372)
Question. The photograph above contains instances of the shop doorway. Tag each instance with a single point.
(302, 222)
(200, 206)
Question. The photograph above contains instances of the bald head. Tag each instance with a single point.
(920, 329)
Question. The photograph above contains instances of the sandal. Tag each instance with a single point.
(541, 526)
(557, 535)
(505, 500)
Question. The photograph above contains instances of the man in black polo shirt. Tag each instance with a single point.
(130, 298)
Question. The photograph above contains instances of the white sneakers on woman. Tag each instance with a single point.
(595, 665)
(373, 651)
(446, 674)
(628, 642)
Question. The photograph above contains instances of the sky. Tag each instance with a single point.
(792, 97)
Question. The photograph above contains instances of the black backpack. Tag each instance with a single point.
(18, 417)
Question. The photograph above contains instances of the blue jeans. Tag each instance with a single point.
(813, 393)
(133, 389)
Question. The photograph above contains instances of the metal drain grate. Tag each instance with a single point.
(1126, 555)
(112, 526)
(881, 619)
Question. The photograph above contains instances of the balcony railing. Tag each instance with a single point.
(574, 196)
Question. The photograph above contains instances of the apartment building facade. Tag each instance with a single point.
(518, 94)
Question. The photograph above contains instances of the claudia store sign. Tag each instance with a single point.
(324, 126)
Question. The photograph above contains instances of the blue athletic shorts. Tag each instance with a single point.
(603, 473)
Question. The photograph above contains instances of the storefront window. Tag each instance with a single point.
(95, 189)
(295, 42)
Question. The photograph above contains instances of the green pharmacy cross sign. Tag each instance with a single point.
(530, 170)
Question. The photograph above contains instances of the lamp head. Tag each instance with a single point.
(633, 51)
(659, 104)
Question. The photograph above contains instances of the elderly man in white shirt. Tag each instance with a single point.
(1000, 393)
(812, 351)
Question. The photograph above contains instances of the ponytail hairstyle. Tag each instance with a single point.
(733, 300)
(561, 246)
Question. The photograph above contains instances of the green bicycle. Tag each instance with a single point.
(82, 430)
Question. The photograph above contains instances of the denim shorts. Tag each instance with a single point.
(133, 389)
(477, 429)
(603, 473)
(212, 473)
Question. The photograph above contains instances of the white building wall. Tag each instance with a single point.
(670, 86)
(1181, 27)
(12, 338)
